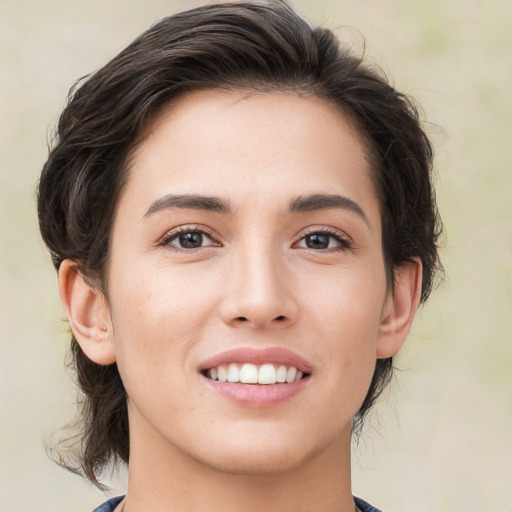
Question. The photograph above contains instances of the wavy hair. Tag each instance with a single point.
(232, 46)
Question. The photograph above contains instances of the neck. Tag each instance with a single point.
(163, 478)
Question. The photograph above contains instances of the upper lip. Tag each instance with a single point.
(276, 355)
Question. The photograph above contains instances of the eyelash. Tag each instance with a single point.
(344, 241)
(182, 230)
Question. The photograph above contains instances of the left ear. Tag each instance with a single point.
(400, 308)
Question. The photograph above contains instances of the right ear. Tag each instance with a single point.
(88, 314)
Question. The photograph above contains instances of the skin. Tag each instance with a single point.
(255, 283)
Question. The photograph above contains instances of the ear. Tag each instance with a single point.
(88, 314)
(400, 308)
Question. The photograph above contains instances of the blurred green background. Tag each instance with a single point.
(441, 440)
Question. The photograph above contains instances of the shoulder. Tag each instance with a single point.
(365, 507)
(109, 505)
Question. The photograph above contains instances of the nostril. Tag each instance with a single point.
(241, 319)
(280, 318)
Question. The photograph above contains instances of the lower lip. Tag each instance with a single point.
(256, 395)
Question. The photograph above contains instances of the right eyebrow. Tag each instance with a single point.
(190, 201)
(316, 202)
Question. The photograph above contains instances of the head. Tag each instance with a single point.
(236, 52)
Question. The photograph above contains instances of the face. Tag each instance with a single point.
(247, 246)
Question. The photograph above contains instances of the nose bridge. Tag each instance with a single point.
(259, 292)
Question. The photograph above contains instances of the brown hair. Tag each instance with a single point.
(241, 45)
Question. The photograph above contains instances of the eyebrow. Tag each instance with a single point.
(190, 201)
(316, 202)
(302, 204)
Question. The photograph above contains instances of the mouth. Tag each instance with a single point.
(250, 373)
(263, 377)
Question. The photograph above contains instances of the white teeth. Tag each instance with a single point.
(267, 374)
(222, 373)
(290, 374)
(281, 374)
(248, 373)
(233, 373)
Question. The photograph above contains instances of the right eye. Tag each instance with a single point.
(188, 239)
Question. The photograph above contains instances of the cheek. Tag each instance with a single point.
(156, 320)
(346, 303)
(158, 314)
(346, 312)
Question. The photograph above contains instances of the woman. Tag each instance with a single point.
(243, 222)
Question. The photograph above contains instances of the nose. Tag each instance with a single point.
(259, 292)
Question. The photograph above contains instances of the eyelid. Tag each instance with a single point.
(172, 234)
(345, 240)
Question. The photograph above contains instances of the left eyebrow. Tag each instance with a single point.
(316, 202)
(190, 201)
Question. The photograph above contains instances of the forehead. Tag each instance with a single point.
(238, 144)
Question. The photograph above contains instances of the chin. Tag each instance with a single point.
(267, 453)
(255, 462)
(264, 448)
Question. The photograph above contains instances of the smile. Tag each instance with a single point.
(248, 373)
(256, 377)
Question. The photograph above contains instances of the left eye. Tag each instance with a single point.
(189, 240)
(320, 241)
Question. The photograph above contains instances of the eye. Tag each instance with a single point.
(324, 240)
(188, 239)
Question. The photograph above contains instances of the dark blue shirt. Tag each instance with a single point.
(111, 504)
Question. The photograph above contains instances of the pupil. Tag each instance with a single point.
(317, 241)
(191, 240)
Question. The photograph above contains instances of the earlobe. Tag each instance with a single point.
(88, 314)
(400, 309)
